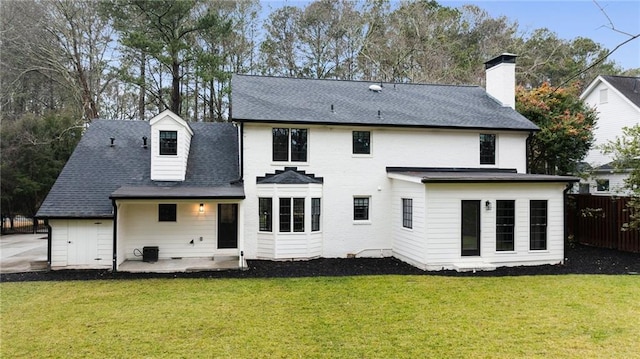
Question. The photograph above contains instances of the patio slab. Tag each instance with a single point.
(183, 265)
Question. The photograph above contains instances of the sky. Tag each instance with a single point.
(569, 19)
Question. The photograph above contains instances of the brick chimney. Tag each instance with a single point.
(501, 79)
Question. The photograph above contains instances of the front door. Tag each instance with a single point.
(227, 225)
(470, 228)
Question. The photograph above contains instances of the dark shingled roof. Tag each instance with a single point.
(279, 99)
(290, 175)
(628, 86)
(474, 175)
(96, 170)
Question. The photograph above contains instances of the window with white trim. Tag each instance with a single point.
(407, 213)
(291, 214)
(289, 144)
(361, 208)
(505, 224)
(315, 214)
(265, 208)
(168, 142)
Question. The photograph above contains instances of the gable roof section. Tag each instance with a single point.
(290, 175)
(307, 101)
(96, 170)
(627, 87)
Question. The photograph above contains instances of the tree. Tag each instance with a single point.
(164, 30)
(626, 153)
(54, 55)
(34, 151)
(566, 128)
(279, 56)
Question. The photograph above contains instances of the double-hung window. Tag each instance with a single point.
(538, 225)
(291, 213)
(361, 208)
(362, 142)
(505, 223)
(407, 213)
(315, 214)
(289, 144)
(487, 149)
(168, 142)
(265, 206)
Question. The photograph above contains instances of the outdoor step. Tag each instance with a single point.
(38, 265)
(474, 266)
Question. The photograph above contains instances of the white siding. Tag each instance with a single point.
(169, 167)
(81, 243)
(138, 226)
(347, 175)
(290, 245)
(444, 224)
(614, 114)
(409, 244)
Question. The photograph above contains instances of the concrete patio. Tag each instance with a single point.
(183, 265)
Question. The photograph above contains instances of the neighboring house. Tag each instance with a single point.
(617, 101)
(433, 175)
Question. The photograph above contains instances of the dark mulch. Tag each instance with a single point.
(580, 259)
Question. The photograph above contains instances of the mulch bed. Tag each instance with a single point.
(580, 259)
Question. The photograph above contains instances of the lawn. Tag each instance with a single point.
(572, 316)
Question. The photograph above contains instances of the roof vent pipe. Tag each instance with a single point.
(379, 114)
(112, 142)
(332, 110)
(144, 141)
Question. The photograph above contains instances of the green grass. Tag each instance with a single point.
(343, 317)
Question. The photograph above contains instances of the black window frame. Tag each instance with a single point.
(168, 143)
(167, 212)
(538, 222)
(361, 208)
(470, 215)
(265, 214)
(315, 214)
(407, 213)
(487, 149)
(289, 144)
(505, 225)
(361, 142)
(285, 215)
(292, 214)
(602, 185)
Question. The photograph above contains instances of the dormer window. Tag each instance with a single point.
(168, 142)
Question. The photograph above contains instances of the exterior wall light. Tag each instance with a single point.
(201, 209)
(487, 205)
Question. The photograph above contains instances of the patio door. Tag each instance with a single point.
(227, 225)
(470, 228)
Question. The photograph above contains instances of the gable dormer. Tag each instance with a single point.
(170, 143)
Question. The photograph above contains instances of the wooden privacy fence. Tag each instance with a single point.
(598, 221)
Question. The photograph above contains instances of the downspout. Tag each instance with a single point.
(564, 217)
(46, 223)
(528, 152)
(241, 145)
(115, 236)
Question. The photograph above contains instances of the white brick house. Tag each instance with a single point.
(434, 175)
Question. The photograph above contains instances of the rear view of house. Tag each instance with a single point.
(434, 175)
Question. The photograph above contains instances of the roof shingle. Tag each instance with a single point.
(279, 99)
(95, 169)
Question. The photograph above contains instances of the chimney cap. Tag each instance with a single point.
(505, 57)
